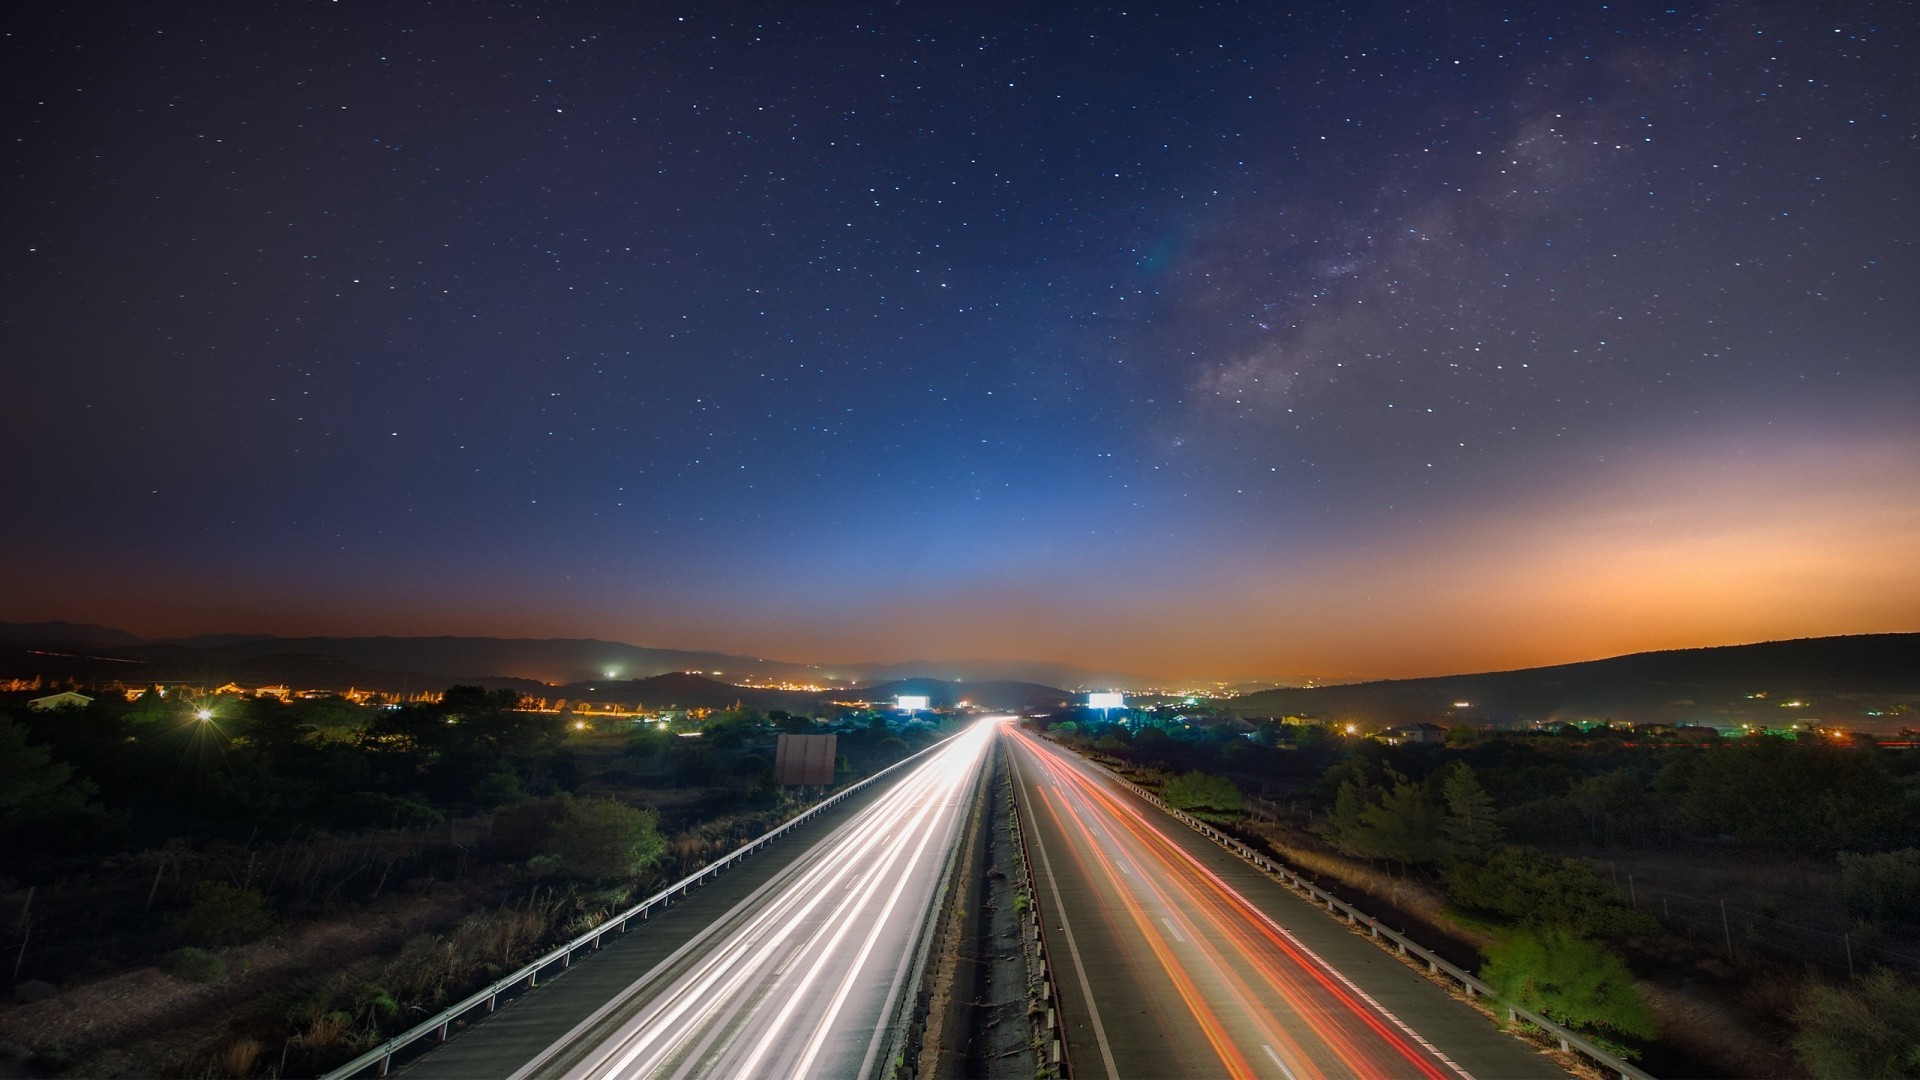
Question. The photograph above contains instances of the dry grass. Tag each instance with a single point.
(239, 1057)
(1701, 1022)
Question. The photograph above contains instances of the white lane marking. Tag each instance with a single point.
(1073, 949)
(1284, 1071)
(1177, 936)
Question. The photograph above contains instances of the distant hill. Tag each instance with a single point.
(556, 661)
(684, 690)
(64, 633)
(991, 694)
(1838, 679)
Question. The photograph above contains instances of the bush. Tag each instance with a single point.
(1883, 887)
(194, 965)
(378, 810)
(592, 838)
(1572, 981)
(604, 838)
(1198, 791)
(1527, 886)
(223, 914)
(1869, 1030)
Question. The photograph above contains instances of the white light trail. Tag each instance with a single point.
(742, 999)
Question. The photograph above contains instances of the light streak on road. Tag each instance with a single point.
(802, 977)
(1259, 1000)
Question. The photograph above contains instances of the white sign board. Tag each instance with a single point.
(911, 702)
(1106, 701)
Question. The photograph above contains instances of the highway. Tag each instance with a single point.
(1177, 959)
(804, 976)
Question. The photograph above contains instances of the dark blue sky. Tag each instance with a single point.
(1217, 339)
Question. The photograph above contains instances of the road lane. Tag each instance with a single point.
(1187, 962)
(803, 977)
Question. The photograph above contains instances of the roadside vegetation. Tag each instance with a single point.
(319, 875)
(1508, 847)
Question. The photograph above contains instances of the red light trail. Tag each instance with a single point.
(1262, 1001)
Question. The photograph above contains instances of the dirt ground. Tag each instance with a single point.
(131, 1023)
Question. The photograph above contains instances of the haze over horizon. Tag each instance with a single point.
(1241, 343)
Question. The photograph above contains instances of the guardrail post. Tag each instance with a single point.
(443, 1031)
(385, 1063)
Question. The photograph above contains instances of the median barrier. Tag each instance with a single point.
(1034, 943)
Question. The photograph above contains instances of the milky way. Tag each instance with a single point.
(1219, 340)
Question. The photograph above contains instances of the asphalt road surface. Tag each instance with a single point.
(802, 977)
(1177, 959)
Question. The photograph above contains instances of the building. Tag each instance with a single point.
(66, 699)
(1414, 733)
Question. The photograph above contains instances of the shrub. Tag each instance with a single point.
(1869, 1030)
(223, 914)
(594, 838)
(194, 965)
(1527, 886)
(1883, 887)
(378, 810)
(1572, 981)
(1198, 791)
(604, 838)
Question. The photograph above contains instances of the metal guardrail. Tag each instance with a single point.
(1034, 938)
(439, 1026)
(1568, 1040)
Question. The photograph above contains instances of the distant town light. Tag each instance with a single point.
(1463, 704)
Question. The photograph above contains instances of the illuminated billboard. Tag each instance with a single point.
(911, 702)
(1106, 701)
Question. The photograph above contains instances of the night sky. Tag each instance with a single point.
(1218, 340)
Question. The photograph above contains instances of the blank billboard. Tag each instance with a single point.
(1106, 701)
(804, 760)
(911, 702)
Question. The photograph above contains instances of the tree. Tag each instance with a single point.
(1398, 821)
(32, 784)
(1469, 828)
(1572, 981)
(1403, 826)
(1870, 1030)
